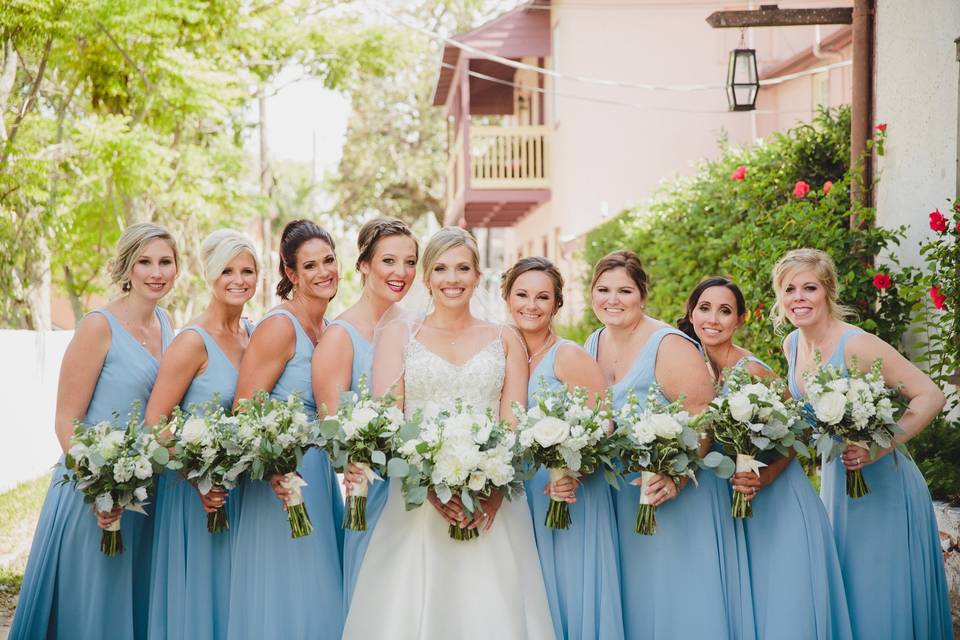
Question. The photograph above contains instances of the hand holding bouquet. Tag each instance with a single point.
(114, 468)
(208, 453)
(751, 419)
(361, 434)
(458, 453)
(852, 408)
(655, 440)
(277, 433)
(567, 436)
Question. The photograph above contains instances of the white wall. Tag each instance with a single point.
(916, 96)
(29, 369)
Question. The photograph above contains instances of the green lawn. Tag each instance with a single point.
(19, 510)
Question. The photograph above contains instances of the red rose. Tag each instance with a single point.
(801, 189)
(739, 173)
(882, 281)
(827, 186)
(881, 127)
(937, 222)
(939, 299)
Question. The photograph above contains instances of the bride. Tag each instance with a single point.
(415, 581)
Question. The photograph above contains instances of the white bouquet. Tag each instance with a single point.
(276, 434)
(208, 453)
(362, 433)
(852, 408)
(751, 419)
(563, 433)
(458, 453)
(655, 440)
(114, 467)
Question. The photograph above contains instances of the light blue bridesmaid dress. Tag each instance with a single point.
(579, 564)
(794, 571)
(190, 585)
(887, 541)
(355, 542)
(70, 589)
(281, 587)
(687, 580)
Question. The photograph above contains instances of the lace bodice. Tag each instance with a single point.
(429, 378)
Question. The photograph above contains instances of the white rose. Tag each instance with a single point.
(643, 432)
(857, 389)
(550, 431)
(741, 409)
(104, 503)
(830, 407)
(143, 469)
(194, 430)
(140, 493)
(477, 481)
(665, 425)
(110, 443)
(364, 416)
(350, 429)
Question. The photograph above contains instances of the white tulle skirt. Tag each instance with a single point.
(418, 583)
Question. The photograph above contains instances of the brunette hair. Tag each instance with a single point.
(523, 265)
(686, 325)
(373, 231)
(130, 246)
(822, 265)
(294, 235)
(622, 259)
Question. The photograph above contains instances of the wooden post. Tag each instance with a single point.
(861, 115)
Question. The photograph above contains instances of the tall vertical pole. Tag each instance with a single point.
(861, 117)
(265, 218)
(957, 193)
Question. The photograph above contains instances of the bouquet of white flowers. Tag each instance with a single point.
(655, 440)
(277, 433)
(563, 433)
(114, 467)
(458, 452)
(361, 433)
(852, 408)
(208, 453)
(751, 419)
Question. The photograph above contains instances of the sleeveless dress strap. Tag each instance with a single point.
(355, 336)
(752, 358)
(297, 327)
(593, 342)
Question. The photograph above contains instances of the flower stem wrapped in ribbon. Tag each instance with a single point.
(655, 439)
(752, 419)
(362, 433)
(113, 467)
(852, 407)
(277, 433)
(566, 435)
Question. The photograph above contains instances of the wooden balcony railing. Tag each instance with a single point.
(509, 157)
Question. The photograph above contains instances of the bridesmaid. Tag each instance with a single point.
(682, 582)
(794, 571)
(887, 541)
(387, 264)
(579, 564)
(282, 587)
(70, 589)
(190, 585)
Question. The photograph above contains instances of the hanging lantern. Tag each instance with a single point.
(742, 80)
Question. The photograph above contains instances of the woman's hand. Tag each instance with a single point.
(279, 486)
(353, 475)
(452, 511)
(564, 489)
(855, 457)
(749, 483)
(107, 518)
(213, 500)
(660, 489)
(484, 516)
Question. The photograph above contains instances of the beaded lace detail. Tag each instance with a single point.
(429, 379)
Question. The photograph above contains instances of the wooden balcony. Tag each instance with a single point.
(509, 157)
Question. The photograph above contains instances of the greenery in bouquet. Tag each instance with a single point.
(113, 466)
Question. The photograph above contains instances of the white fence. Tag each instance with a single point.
(29, 369)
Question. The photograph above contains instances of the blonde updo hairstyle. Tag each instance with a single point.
(130, 247)
(807, 259)
(222, 246)
(444, 240)
(373, 231)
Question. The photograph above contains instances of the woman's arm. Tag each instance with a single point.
(515, 377)
(271, 347)
(180, 364)
(575, 368)
(332, 369)
(79, 372)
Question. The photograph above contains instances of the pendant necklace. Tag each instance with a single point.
(551, 338)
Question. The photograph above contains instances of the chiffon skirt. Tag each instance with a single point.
(691, 578)
(579, 564)
(190, 585)
(355, 542)
(889, 549)
(795, 574)
(281, 587)
(70, 589)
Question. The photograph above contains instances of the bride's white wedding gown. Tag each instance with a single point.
(416, 582)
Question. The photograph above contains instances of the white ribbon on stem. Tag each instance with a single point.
(645, 478)
(293, 482)
(746, 462)
(115, 525)
(560, 473)
(359, 489)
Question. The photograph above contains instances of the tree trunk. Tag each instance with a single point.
(75, 303)
(7, 78)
